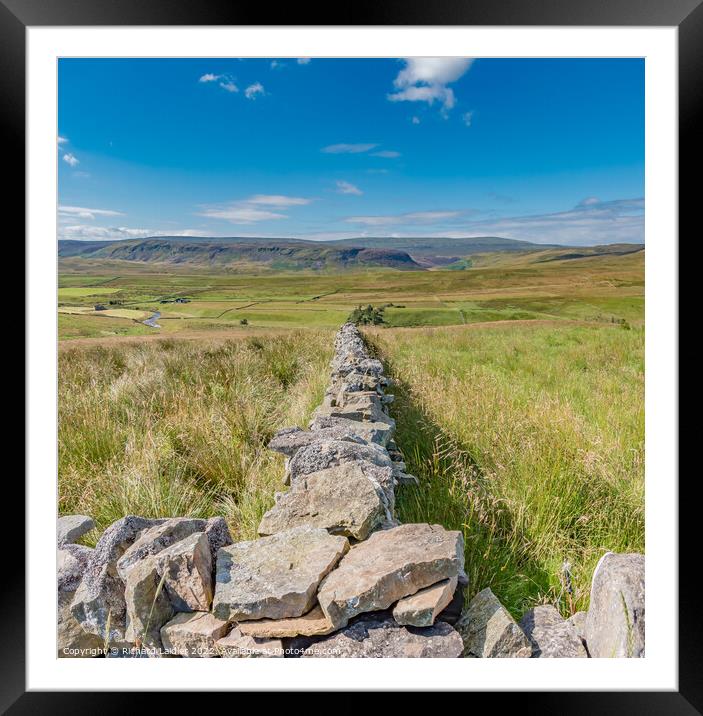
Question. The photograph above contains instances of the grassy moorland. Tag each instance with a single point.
(509, 287)
(530, 439)
(520, 400)
(180, 427)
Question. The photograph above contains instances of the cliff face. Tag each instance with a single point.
(278, 255)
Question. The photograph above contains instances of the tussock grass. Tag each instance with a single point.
(168, 428)
(528, 439)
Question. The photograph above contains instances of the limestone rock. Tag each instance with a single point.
(156, 539)
(148, 606)
(72, 640)
(289, 440)
(340, 499)
(72, 527)
(71, 563)
(237, 645)
(314, 623)
(274, 577)
(187, 570)
(578, 621)
(193, 634)
(489, 631)
(615, 623)
(367, 410)
(372, 432)
(551, 636)
(388, 566)
(381, 637)
(422, 608)
(218, 535)
(329, 453)
(455, 608)
(100, 595)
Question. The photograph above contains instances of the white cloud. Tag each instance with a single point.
(250, 211)
(589, 223)
(276, 64)
(61, 140)
(253, 90)
(226, 82)
(303, 60)
(71, 159)
(425, 79)
(432, 70)
(345, 187)
(241, 214)
(386, 154)
(85, 213)
(415, 120)
(89, 232)
(348, 148)
(467, 117)
(277, 200)
(410, 218)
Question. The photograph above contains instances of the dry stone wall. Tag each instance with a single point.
(332, 574)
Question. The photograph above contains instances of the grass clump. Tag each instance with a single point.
(173, 428)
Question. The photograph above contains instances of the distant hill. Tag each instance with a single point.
(239, 254)
(438, 249)
(253, 254)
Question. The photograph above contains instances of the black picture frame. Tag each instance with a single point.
(686, 15)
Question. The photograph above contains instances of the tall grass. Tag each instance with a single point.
(179, 428)
(528, 439)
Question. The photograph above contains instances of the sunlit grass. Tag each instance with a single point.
(171, 427)
(531, 441)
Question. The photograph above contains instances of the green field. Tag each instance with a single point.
(519, 401)
(598, 289)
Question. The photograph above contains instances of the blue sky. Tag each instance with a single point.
(545, 150)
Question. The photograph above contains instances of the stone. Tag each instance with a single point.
(388, 566)
(340, 499)
(615, 625)
(455, 608)
(187, 570)
(193, 634)
(72, 527)
(381, 637)
(489, 631)
(289, 440)
(314, 623)
(147, 605)
(366, 410)
(422, 608)
(99, 598)
(218, 535)
(551, 636)
(403, 478)
(578, 621)
(329, 453)
(72, 641)
(237, 645)
(274, 577)
(71, 564)
(371, 432)
(156, 539)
